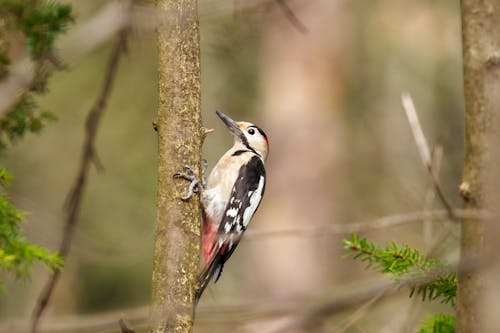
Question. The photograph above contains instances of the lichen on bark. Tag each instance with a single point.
(180, 136)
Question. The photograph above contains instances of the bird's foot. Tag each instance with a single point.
(195, 185)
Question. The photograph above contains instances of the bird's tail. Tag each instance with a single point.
(214, 269)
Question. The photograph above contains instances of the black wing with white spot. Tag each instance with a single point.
(245, 198)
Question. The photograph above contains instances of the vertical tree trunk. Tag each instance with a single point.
(481, 44)
(177, 248)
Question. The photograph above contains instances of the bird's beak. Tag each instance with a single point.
(231, 124)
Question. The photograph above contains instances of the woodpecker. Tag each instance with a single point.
(231, 196)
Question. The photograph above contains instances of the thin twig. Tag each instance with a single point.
(437, 155)
(290, 15)
(75, 195)
(438, 242)
(424, 151)
(102, 322)
(375, 292)
(418, 134)
(410, 315)
(359, 312)
(307, 311)
(414, 310)
(86, 36)
(376, 224)
(80, 40)
(310, 320)
(124, 326)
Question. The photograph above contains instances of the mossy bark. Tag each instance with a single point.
(180, 136)
(481, 46)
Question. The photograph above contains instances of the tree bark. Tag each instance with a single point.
(481, 46)
(180, 136)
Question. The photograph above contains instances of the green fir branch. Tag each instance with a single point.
(439, 323)
(24, 117)
(17, 255)
(443, 287)
(39, 23)
(404, 261)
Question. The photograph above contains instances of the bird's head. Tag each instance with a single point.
(247, 135)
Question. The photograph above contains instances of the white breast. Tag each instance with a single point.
(219, 185)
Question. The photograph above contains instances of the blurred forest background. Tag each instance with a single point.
(327, 91)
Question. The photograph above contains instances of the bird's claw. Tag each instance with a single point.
(195, 186)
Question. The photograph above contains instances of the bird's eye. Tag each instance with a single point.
(251, 131)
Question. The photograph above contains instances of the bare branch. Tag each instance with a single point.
(76, 193)
(290, 15)
(423, 149)
(103, 322)
(380, 223)
(124, 326)
(80, 40)
(302, 311)
(360, 312)
(88, 35)
(437, 155)
(418, 134)
(364, 295)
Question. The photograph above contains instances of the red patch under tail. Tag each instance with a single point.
(209, 232)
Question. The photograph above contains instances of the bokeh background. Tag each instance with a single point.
(328, 96)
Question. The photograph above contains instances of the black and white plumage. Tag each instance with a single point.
(232, 195)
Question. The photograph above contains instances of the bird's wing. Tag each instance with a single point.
(245, 198)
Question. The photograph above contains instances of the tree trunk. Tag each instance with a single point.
(481, 44)
(180, 136)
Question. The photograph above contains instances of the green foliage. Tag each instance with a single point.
(439, 323)
(38, 23)
(16, 254)
(443, 287)
(5, 177)
(399, 261)
(393, 259)
(424, 276)
(24, 117)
